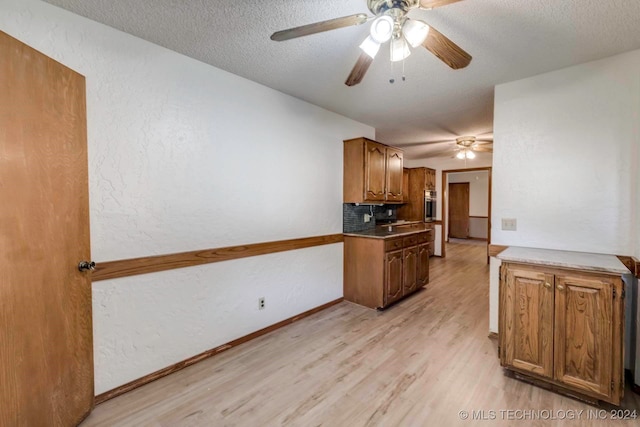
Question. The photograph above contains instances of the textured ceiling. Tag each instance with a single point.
(508, 39)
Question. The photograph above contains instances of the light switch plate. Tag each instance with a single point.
(509, 224)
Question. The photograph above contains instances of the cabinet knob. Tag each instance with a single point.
(547, 285)
(560, 287)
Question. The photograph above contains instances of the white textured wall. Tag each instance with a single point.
(440, 164)
(184, 156)
(564, 163)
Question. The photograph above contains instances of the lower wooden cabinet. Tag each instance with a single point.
(379, 272)
(564, 327)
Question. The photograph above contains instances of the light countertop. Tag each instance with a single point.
(567, 259)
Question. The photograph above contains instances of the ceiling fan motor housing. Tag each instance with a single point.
(395, 8)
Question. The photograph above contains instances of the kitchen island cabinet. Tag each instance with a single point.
(561, 320)
(383, 266)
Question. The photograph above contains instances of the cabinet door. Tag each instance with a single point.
(375, 165)
(405, 185)
(423, 264)
(394, 175)
(393, 277)
(583, 333)
(410, 269)
(526, 305)
(431, 179)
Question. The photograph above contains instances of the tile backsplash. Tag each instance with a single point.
(353, 216)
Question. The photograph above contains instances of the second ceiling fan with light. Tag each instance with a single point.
(390, 24)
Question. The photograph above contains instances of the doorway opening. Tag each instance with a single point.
(466, 207)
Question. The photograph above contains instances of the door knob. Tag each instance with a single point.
(86, 266)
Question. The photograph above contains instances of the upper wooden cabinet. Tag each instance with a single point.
(372, 172)
(563, 327)
(430, 183)
(419, 180)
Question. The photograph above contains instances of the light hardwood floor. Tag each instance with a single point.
(418, 363)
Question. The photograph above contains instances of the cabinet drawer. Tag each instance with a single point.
(410, 241)
(392, 245)
(423, 237)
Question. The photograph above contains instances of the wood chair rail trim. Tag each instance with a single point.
(103, 397)
(152, 264)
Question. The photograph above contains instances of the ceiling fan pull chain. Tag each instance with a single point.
(403, 78)
(392, 79)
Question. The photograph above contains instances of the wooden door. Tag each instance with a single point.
(46, 358)
(410, 269)
(526, 327)
(393, 277)
(583, 333)
(394, 175)
(423, 264)
(459, 210)
(375, 164)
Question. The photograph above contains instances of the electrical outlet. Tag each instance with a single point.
(367, 218)
(261, 303)
(390, 212)
(509, 224)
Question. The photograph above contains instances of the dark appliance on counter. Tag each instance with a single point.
(429, 206)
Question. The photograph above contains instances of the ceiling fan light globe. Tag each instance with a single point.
(382, 29)
(399, 49)
(415, 32)
(460, 155)
(471, 154)
(370, 47)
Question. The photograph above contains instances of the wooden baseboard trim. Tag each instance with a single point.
(152, 264)
(103, 397)
(494, 250)
(493, 335)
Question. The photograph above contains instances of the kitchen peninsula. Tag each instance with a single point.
(385, 264)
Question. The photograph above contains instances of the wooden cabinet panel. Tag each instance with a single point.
(527, 297)
(393, 277)
(430, 179)
(564, 327)
(394, 174)
(583, 333)
(375, 166)
(405, 185)
(410, 269)
(373, 172)
(423, 265)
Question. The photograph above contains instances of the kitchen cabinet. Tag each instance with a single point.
(563, 327)
(380, 271)
(430, 178)
(373, 172)
(405, 185)
(420, 180)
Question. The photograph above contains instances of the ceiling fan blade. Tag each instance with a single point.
(415, 144)
(446, 50)
(319, 27)
(483, 149)
(484, 141)
(359, 70)
(430, 4)
(439, 153)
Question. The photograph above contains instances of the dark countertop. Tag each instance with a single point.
(383, 232)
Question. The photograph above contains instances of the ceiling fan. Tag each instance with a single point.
(390, 24)
(463, 147)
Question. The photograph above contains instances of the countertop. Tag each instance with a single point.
(397, 230)
(567, 259)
